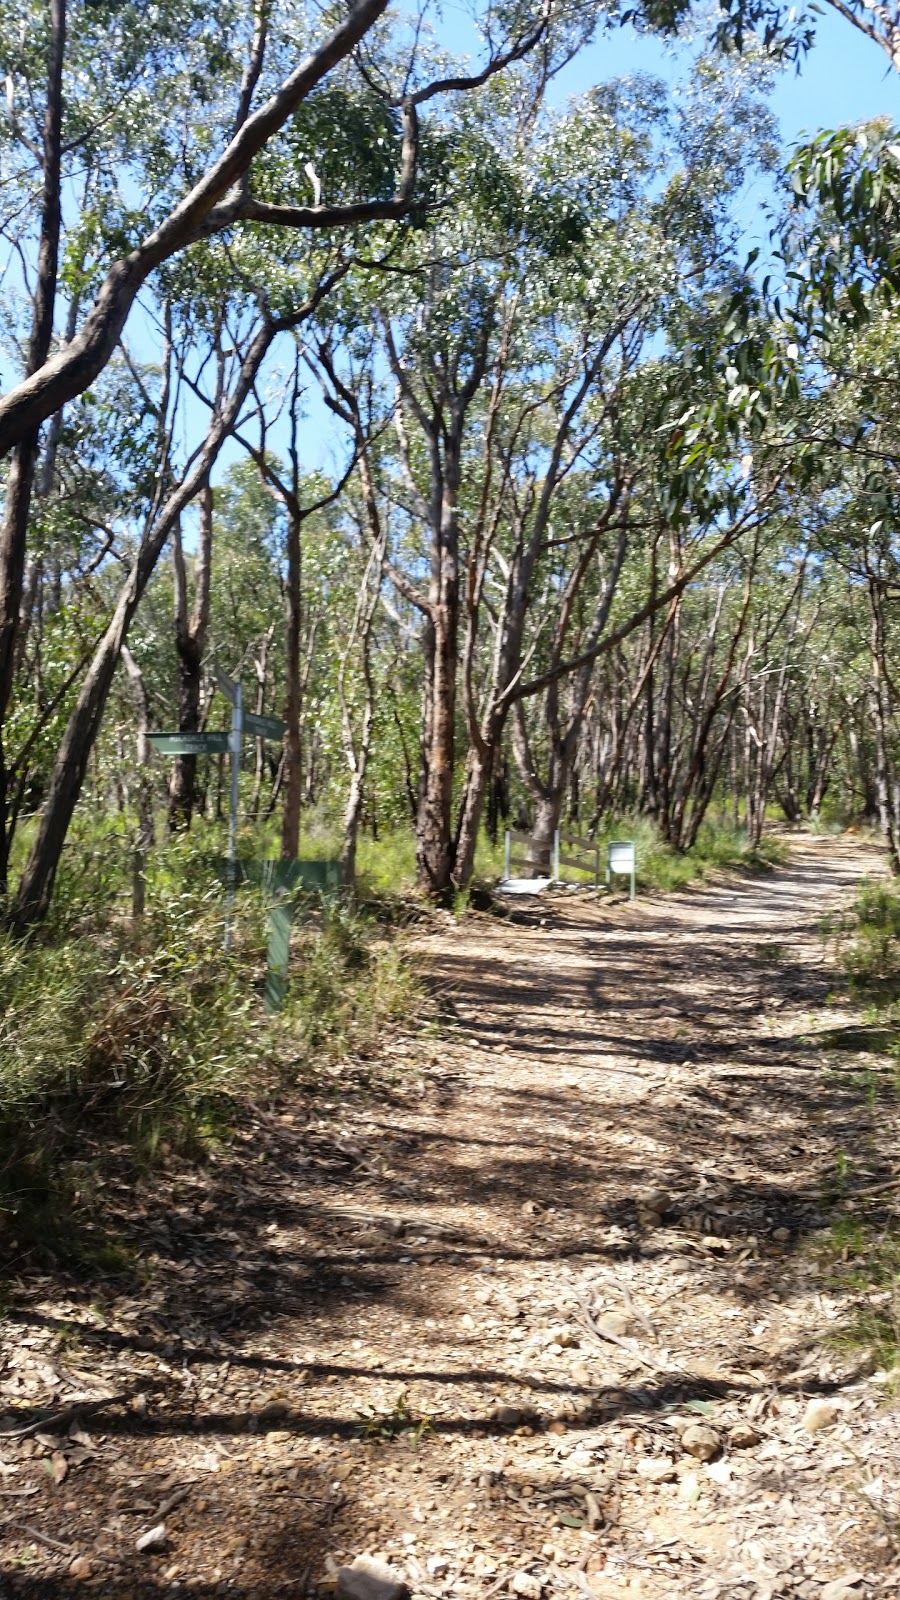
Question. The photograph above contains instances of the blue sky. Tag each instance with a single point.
(844, 78)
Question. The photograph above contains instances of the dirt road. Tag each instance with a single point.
(488, 1321)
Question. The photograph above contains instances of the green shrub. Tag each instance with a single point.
(872, 957)
(123, 1034)
(116, 1035)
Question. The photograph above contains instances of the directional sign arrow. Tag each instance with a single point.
(263, 727)
(189, 744)
(226, 684)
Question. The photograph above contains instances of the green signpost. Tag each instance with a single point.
(279, 951)
(189, 744)
(276, 875)
(263, 727)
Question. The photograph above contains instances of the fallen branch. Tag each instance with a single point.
(62, 1419)
(35, 1533)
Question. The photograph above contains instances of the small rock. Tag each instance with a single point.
(437, 1565)
(743, 1436)
(566, 1337)
(80, 1567)
(719, 1471)
(368, 1579)
(657, 1469)
(615, 1323)
(689, 1488)
(701, 1441)
(153, 1539)
(843, 1588)
(509, 1416)
(649, 1219)
(658, 1200)
(819, 1414)
(580, 1372)
(781, 1235)
(273, 1410)
(524, 1584)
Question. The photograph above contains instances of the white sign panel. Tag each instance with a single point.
(620, 858)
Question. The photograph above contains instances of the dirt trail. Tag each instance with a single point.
(576, 1223)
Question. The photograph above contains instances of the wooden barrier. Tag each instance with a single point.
(569, 850)
(581, 854)
(524, 860)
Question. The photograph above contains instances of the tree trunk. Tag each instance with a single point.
(434, 855)
(881, 713)
(547, 814)
(32, 899)
(292, 782)
(475, 783)
(144, 788)
(14, 533)
(190, 640)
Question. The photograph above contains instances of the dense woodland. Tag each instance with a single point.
(448, 413)
(607, 528)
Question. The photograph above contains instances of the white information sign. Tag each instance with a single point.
(621, 857)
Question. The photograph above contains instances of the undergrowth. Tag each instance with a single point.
(140, 1036)
(862, 1257)
(720, 847)
(863, 1249)
(870, 939)
(388, 864)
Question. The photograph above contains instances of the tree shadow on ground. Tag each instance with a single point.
(324, 1212)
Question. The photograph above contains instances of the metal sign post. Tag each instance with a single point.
(189, 744)
(621, 857)
(235, 747)
(227, 685)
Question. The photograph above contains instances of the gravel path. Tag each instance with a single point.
(537, 1304)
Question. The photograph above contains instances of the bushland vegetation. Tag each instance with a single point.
(606, 539)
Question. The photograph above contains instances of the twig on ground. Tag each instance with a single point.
(64, 1418)
(35, 1533)
(637, 1313)
(600, 1334)
(499, 1584)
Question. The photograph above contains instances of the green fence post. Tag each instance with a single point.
(279, 950)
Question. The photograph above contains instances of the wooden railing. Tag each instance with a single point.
(569, 850)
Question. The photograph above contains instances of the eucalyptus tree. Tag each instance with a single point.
(166, 127)
(653, 244)
(840, 251)
(520, 398)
